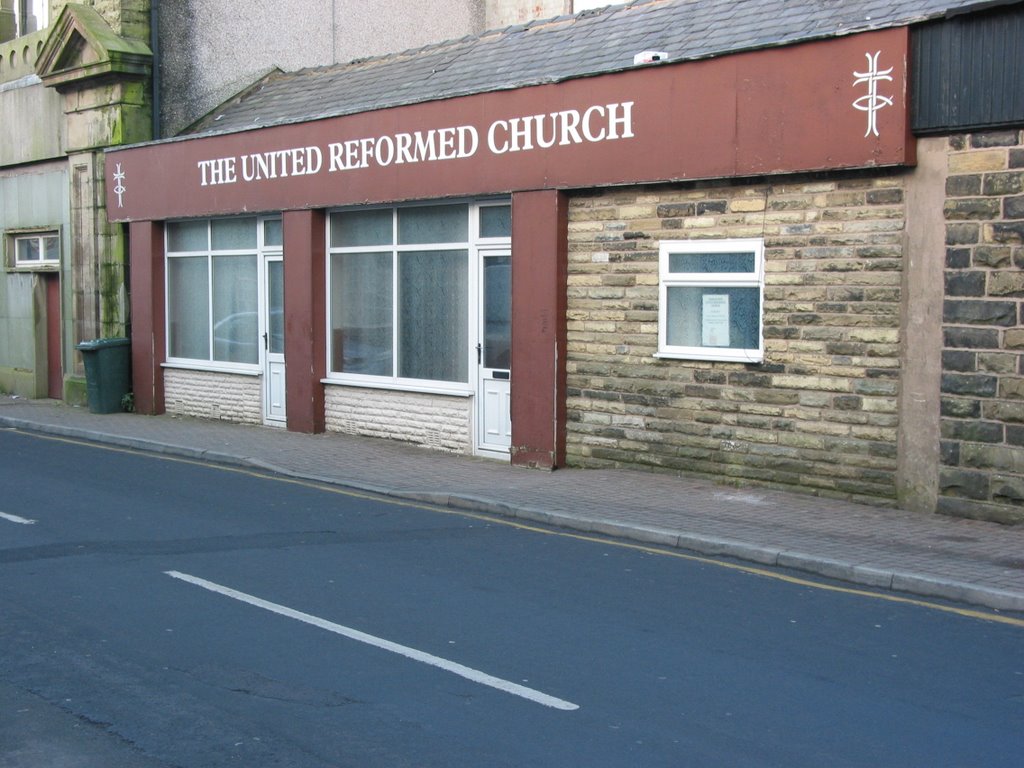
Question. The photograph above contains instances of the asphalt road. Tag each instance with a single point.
(156, 612)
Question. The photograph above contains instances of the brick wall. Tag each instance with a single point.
(209, 395)
(434, 421)
(982, 472)
(820, 413)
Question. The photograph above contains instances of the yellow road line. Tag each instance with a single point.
(498, 520)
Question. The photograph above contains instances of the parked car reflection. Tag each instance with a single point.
(362, 350)
(236, 337)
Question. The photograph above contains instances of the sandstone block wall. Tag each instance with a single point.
(820, 413)
(982, 473)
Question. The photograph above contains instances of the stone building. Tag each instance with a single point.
(763, 242)
(76, 78)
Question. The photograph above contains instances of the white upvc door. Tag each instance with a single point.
(494, 350)
(272, 336)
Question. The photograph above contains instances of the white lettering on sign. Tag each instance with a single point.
(570, 126)
(596, 123)
(303, 161)
(435, 144)
(219, 171)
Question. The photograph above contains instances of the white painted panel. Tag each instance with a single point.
(275, 391)
(496, 421)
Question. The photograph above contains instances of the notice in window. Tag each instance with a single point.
(715, 320)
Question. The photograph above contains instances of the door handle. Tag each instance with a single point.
(479, 353)
(266, 344)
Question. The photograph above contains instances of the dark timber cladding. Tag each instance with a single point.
(968, 72)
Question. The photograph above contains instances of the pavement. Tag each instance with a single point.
(924, 555)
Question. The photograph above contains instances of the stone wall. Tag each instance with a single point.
(820, 413)
(443, 422)
(212, 395)
(982, 424)
(128, 18)
(22, 93)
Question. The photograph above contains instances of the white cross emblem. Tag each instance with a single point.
(120, 189)
(872, 101)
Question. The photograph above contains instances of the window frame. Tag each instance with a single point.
(668, 279)
(42, 264)
(490, 241)
(472, 245)
(23, 8)
(210, 253)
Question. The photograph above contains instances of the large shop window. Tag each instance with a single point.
(711, 297)
(401, 291)
(213, 291)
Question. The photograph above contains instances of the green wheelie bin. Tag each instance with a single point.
(108, 373)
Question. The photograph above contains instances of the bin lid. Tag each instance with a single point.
(94, 344)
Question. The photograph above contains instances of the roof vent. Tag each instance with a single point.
(649, 57)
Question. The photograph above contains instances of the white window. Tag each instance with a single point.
(213, 291)
(37, 250)
(710, 303)
(400, 291)
(31, 15)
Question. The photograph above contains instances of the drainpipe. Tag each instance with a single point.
(154, 46)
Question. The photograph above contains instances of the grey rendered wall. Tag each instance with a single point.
(30, 198)
(210, 50)
(17, 332)
(504, 13)
(921, 329)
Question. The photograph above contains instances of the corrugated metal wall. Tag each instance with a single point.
(967, 72)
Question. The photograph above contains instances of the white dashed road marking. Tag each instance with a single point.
(16, 519)
(402, 650)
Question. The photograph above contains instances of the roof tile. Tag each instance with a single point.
(562, 48)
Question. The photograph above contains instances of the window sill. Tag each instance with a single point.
(751, 357)
(399, 387)
(52, 266)
(211, 368)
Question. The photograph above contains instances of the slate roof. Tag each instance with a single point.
(562, 48)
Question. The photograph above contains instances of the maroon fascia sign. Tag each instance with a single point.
(830, 104)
